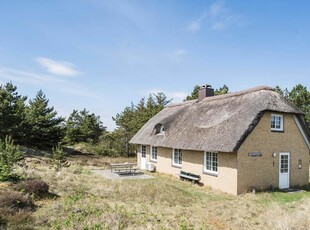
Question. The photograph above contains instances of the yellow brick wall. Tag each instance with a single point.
(262, 172)
(192, 161)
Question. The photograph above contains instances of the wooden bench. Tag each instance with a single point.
(189, 176)
(124, 168)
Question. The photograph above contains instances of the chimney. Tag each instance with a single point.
(205, 91)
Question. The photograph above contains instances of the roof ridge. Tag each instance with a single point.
(238, 93)
(222, 96)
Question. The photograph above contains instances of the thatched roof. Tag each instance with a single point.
(218, 123)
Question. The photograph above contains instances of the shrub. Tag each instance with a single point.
(13, 202)
(59, 157)
(3, 221)
(9, 154)
(38, 188)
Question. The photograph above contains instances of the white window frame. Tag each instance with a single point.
(178, 163)
(143, 151)
(153, 158)
(281, 122)
(214, 157)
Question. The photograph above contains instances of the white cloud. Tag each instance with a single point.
(216, 17)
(57, 67)
(24, 76)
(31, 78)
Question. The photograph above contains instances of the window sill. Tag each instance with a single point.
(177, 166)
(152, 160)
(277, 130)
(210, 173)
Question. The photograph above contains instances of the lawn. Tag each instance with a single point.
(80, 199)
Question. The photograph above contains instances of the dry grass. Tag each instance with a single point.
(89, 201)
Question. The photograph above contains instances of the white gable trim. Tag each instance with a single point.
(301, 131)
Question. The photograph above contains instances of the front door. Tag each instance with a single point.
(284, 170)
(143, 157)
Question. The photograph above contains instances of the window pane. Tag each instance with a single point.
(154, 153)
(177, 156)
(180, 156)
(211, 161)
(143, 150)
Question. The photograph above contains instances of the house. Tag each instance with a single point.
(236, 142)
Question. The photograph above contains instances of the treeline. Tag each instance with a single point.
(35, 123)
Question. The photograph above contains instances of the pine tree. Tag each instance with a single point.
(44, 127)
(59, 158)
(81, 126)
(12, 113)
(9, 154)
(132, 118)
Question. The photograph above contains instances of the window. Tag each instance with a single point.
(177, 157)
(276, 122)
(159, 129)
(210, 163)
(153, 153)
(143, 151)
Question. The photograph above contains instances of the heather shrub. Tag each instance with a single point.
(35, 187)
(12, 202)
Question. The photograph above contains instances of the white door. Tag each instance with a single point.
(143, 157)
(284, 170)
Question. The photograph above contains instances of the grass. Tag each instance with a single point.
(88, 201)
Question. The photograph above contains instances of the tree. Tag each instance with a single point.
(133, 117)
(284, 93)
(299, 96)
(44, 127)
(194, 94)
(81, 126)
(12, 112)
(222, 90)
(59, 158)
(9, 154)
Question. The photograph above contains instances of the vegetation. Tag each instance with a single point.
(32, 187)
(300, 97)
(12, 112)
(36, 124)
(44, 129)
(59, 158)
(9, 154)
(132, 119)
(81, 126)
(194, 94)
(89, 201)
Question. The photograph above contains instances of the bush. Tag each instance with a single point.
(9, 154)
(38, 188)
(59, 157)
(12, 202)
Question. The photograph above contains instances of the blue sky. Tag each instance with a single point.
(101, 55)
